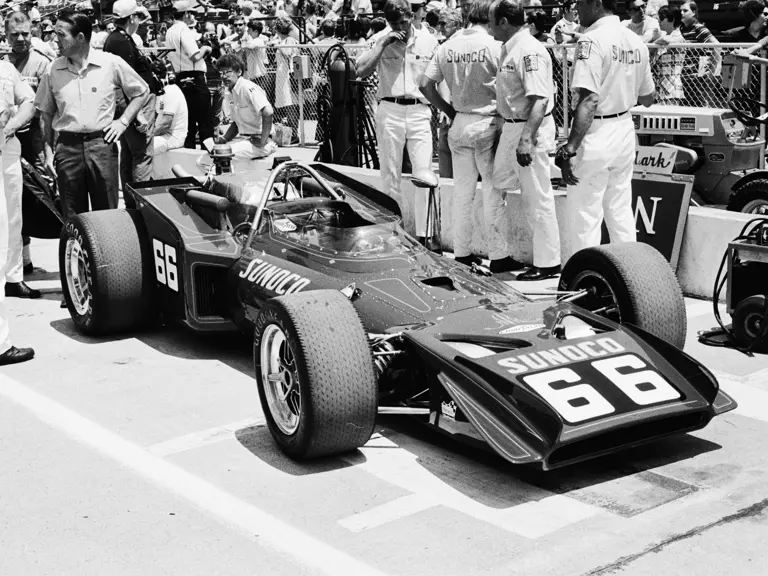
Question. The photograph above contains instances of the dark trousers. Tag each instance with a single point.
(86, 168)
(136, 147)
(198, 99)
(32, 146)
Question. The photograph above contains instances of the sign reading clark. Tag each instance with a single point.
(655, 159)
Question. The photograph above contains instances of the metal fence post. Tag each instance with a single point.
(565, 90)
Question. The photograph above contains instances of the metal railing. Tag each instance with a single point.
(684, 74)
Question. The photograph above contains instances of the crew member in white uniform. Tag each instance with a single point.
(14, 92)
(468, 64)
(403, 116)
(525, 100)
(611, 74)
(251, 113)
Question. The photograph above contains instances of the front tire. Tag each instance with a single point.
(315, 375)
(106, 272)
(630, 283)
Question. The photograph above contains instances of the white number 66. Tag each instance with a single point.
(165, 264)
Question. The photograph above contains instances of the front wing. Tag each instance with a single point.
(613, 391)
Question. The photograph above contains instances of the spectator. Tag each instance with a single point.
(756, 16)
(698, 74)
(285, 108)
(171, 123)
(233, 43)
(352, 7)
(379, 27)
(251, 124)
(653, 7)
(668, 65)
(536, 21)
(567, 29)
(646, 28)
(255, 52)
(77, 101)
(14, 93)
(188, 61)
(136, 141)
(357, 30)
(327, 32)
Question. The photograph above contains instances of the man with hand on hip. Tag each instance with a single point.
(525, 100)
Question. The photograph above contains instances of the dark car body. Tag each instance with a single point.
(537, 380)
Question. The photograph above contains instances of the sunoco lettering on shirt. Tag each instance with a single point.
(273, 278)
(562, 355)
(625, 56)
(479, 56)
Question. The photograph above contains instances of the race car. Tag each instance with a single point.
(350, 316)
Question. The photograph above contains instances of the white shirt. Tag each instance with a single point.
(248, 100)
(402, 65)
(468, 63)
(612, 62)
(183, 41)
(357, 7)
(255, 53)
(172, 120)
(525, 70)
(648, 29)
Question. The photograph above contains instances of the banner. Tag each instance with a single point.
(655, 159)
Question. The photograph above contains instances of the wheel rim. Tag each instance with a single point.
(759, 206)
(77, 268)
(600, 298)
(280, 379)
(753, 325)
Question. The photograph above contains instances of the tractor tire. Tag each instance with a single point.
(636, 282)
(752, 198)
(106, 272)
(315, 374)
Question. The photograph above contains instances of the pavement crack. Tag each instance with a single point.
(749, 511)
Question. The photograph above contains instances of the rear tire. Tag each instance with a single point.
(106, 272)
(752, 198)
(315, 375)
(639, 281)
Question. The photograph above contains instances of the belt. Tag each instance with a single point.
(197, 74)
(80, 136)
(608, 116)
(516, 120)
(403, 101)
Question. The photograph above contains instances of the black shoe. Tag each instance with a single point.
(430, 244)
(63, 304)
(29, 269)
(539, 273)
(507, 264)
(21, 290)
(469, 260)
(16, 355)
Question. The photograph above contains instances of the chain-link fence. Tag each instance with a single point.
(684, 74)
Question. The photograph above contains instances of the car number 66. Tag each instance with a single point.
(165, 264)
(583, 402)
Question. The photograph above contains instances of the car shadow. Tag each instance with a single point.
(470, 470)
(259, 442)
(233, 350)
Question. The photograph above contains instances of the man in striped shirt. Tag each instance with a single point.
(698, 74)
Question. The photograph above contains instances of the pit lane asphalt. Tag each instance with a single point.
(147, 454)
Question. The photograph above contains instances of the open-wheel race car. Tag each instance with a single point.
(350, 316)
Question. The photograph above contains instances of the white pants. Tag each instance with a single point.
(243, 149)
(398, 126)
(5, 339)
(535, 187)
(604, 166)
(12, 178)
(472, 140)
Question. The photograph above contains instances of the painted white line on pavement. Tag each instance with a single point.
(203, 438)
(752, 402)
(542, 514)
(389, 512)
(252, 521)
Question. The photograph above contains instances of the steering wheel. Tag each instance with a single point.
(744, 107)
